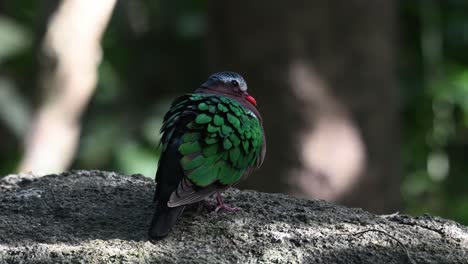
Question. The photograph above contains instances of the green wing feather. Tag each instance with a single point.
(220, 143)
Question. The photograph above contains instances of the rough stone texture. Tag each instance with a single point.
(102, 217)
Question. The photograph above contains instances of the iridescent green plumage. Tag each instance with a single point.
(210, 140)
(220, 143)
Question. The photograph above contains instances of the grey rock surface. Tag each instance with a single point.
(103, 217)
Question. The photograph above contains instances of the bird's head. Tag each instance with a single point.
(228, 83)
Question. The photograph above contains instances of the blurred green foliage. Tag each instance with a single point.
(434, 84)
(155, 50)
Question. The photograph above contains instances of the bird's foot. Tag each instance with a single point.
(226, 207)
(222, 206)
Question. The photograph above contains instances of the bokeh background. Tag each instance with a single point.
(364, 102)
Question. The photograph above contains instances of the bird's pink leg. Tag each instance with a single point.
(222, 205)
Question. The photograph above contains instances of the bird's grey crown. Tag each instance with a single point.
(227, 77)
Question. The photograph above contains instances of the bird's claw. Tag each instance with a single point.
(226, 207)
(223, 206)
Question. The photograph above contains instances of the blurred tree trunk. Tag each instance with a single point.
(71, 53)
(323, 74)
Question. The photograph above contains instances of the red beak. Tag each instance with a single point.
(252, 100)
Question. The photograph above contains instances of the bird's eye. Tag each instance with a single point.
(235, 83)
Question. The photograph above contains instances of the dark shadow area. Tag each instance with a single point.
(75, 207)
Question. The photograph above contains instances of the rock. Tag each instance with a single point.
(103, 217)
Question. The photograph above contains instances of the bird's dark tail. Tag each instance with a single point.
(163, 220)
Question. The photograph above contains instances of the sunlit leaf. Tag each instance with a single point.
(14, 38)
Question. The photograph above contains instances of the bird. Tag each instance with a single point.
(211, 139)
